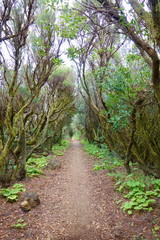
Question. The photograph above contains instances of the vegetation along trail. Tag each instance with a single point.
(88, 70)
(76, 203)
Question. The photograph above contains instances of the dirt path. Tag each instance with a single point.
(77, 203)
(73, 200)
(79, 214)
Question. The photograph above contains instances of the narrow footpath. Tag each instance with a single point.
(77, 203)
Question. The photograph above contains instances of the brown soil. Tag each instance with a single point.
(77, 203)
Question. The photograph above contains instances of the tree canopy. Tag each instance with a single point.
(113, 84)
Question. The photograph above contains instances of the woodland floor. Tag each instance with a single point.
(77, 203)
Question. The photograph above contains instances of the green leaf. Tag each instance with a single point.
(19, 225)
(130, 212)
(20, 220)
(57, 61)
(6, 192)
(12, 198)
(128, 205)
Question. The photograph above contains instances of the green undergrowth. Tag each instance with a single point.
(20, 224)
(141, 192)
(105, 158)
(11, 194)
(36, 166)
(59, 149)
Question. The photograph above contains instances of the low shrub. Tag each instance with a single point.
(34, 166)
(106, 159)
(142, 191)
(59, 149)
(11, 194)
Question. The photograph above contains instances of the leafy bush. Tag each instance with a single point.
(141, 190)
(33, 171)
(11, 194)
(107, 160)
(59, 150)
(40, 163)
(34, 166)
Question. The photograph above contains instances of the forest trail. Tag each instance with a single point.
(74, 197)
(77, 203)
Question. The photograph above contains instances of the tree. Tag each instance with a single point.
(6, 12)
(35, 102)
(143, 30)
(23, 13)
(116, 88)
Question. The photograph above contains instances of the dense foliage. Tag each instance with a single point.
(116, 54)
(114, 48)
(36, 95)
